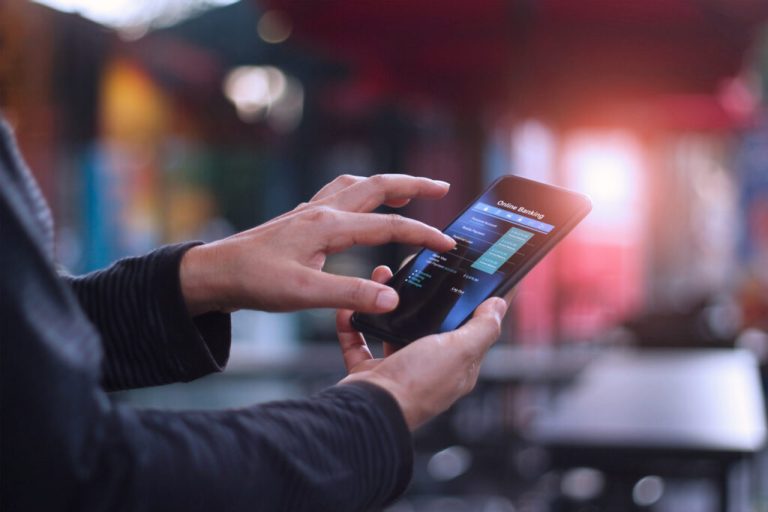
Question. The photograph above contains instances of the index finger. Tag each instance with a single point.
(370, 193)
(350, 229)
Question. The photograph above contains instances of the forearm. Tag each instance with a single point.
(345, 449)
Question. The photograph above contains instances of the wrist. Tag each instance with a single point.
(199, 281)
(413, 416)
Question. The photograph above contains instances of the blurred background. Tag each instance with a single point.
(155, 121)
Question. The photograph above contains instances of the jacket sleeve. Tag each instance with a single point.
(149, 337)
(344, 449)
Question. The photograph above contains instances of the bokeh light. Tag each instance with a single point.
(274, 27)
(131, 15)
(260, 92)
(606, 167)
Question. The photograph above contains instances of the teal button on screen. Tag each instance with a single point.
(504, 248)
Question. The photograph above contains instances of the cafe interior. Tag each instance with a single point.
(631, 371)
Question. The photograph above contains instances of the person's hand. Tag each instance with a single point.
(278, 266)
(431, 373)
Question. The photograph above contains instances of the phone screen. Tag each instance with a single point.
(508, 227)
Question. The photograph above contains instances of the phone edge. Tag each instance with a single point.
(504, 287)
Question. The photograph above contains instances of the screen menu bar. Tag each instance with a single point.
(514, 218)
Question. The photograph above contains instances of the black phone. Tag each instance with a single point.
(499, 237)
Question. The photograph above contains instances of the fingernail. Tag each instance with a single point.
(386, 299)
(443, 183)
(449, 239)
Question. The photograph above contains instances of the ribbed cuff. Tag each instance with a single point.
(200, 344)
(401, 438)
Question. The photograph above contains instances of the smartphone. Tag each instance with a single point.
(499, 237)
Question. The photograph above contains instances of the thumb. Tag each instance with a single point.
(332, 291)
(484, 328)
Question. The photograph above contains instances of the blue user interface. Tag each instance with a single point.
(493, 237)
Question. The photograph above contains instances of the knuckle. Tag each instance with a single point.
(346, 179)
(301, 281)
(394, 221)
(358, 290)
(378, 180)
(376, 191)
(320, 214)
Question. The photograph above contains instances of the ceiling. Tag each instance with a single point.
(649, 61)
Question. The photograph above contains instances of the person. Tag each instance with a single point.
(65, 341)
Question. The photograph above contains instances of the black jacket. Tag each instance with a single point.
(65, 341)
